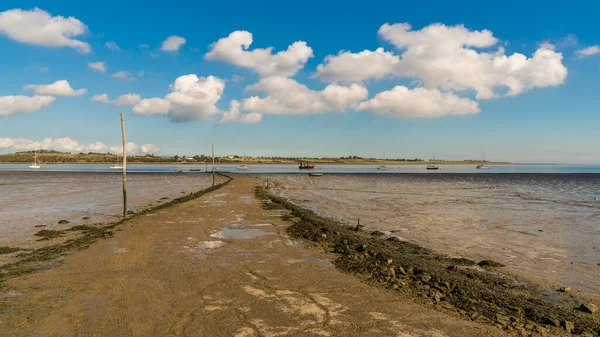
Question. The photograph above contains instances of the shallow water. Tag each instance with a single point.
(544, 227)
(28, 199)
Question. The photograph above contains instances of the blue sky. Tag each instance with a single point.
(439, 108)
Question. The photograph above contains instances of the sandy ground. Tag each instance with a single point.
(219, 265)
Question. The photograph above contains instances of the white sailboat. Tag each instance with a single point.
(243, 167)
(117, 165)
(483, 166)
(383, 167)
(35, 164)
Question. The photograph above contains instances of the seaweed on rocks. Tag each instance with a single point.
(458, 284)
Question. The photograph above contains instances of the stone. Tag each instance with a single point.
(389, 261)
(425, 278)
(589, 308)
(551, 321)
(565, 289)
(503, 320)
(63, 222)
(569, 326)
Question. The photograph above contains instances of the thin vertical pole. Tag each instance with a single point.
(124, 166)
(213, 163)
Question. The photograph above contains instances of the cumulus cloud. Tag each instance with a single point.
(149, 148)
(449, 57)
(152, 106)
(97, 66)
(67, 144)
(589, 51)
(351, 67)
(123, 75)
(235, 49)
(285, 96)
(172, 43)
(418, 102)
(58, 88)
(234, 115)
(112, 45)
(39, 27)
(191, 98)
(127, 99)
(13, 105)
(101, 98)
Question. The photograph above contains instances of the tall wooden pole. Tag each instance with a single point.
(124, 166)
(213, 163)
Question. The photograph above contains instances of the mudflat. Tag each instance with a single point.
(219, 265)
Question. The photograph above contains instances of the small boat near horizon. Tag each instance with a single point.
(483, 165)
(383, 167)
(116, 166)
(432, 166)
(35, 164)
(306, 166)
(243, 167)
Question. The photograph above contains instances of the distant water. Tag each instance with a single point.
(544, 227)
(325, 168)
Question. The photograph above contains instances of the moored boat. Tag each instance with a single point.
(35, 164)
(306, 167)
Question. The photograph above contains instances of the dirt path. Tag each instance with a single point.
(158, 276)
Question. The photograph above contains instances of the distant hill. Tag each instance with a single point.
(56, 157)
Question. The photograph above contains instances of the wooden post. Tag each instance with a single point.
(213, 163)
(124, 166)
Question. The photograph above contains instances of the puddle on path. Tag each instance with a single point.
(210, 244)
(230, 233)
(118, 250)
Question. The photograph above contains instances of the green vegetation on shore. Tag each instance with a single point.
(55, 157)
(458, 285)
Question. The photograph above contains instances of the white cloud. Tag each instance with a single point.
(112, 45)
(98, 66)
(191, 98)
(589, 51)
(149, 148)
(144, 46)
(449, 57)
(234, 115)
(97, 147)
(234, 49)
(123, 75)
(67, 144)
(172, 43)
(58, 88)
(350, 67)
(13, 105)
(285, 96)
(44, 69)
(152, 106)
(251, 118)
(100, 98)
(236, 78)
(446, 57)
(127, 99)
(419, 102)
(38, 27)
